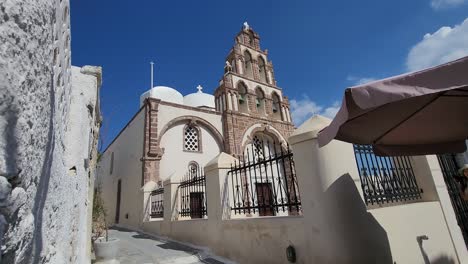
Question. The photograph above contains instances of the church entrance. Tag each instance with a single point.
(265, 199)
(196, 205)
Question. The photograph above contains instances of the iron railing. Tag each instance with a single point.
(193, 194)
(385, 179)
(454, 181)
(157, 203)
(264, 182)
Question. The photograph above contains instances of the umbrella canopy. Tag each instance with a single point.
(419, 113)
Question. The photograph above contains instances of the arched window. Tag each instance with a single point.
(251, 39)
(193, 169)
(260, 100)
(192, 138)
(243, 100)
(248, 64)
(262, 69)
(276, 106)
(262, 147)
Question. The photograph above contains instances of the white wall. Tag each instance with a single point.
(128, 150)
(166, 113)
(389, 232)
(43, 201)
(175, 161)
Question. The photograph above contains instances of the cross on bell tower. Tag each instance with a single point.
(248, 92)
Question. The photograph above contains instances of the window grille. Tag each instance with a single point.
(385, 179)
(192, 191)
(267, 186)
(157, 203)
(191, 139)
(258, 148)
(193, 168)
(453, 180)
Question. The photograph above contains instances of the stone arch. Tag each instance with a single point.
(243, 101)
(249, 132)
(248, 65)
(260, 100)
(262, 69)
(276, 106)
(198, 121)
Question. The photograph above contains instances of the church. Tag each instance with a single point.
(172, 135)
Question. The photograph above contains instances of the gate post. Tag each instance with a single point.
(447, 208)
(217, 191)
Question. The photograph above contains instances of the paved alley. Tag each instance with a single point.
(139, 248)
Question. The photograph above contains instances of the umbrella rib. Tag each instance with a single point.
(406, 119)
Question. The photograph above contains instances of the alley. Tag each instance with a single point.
(139, 248)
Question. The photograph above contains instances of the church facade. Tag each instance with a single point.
(172, 134)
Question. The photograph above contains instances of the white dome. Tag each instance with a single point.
(199, 99)
(164, 93)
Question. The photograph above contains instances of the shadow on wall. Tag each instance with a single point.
(363, 238)
(438, 260)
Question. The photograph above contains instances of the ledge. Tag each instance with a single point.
(309, 129)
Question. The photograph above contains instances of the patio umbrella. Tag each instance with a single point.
(419, 113)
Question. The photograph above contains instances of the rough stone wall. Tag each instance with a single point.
(43, 200)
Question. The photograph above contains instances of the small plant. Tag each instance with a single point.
(99, 216)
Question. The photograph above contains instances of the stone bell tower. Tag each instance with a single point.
(248, 96)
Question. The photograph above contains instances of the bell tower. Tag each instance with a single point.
(248, 96)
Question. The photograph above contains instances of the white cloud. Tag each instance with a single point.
(444, 45)
(359, 80)
(440, 4)
(304, 108)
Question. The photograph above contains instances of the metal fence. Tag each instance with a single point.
(385, 179)
(157, 203)
(193, 194)
(264, 182)
(453, 181)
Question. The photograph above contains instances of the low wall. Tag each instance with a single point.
(406, 223)
(336, 225)
(256, 240)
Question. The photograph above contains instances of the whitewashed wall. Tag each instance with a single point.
(43, 199)
(166, 113)
(128, 150)
(175, 161)
(336, 225)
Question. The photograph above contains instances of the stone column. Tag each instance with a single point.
(283, 113)
(256, 74)
(229, 101)
(223, 102)
(171, 203)
(236, 101)
(217, 187)
(240, 65)
(152, 152)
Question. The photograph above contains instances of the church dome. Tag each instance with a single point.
(164, 93)
(199, 99)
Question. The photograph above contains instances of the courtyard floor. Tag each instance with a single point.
(139, 248)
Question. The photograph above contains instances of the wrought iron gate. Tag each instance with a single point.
(449, 168)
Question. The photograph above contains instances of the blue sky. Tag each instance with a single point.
(318, 48)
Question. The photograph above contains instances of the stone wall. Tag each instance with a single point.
(44, 177)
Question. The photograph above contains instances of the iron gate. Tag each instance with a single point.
(449, 168)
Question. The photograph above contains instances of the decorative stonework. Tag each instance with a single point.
(236, 120)
(152, 153)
